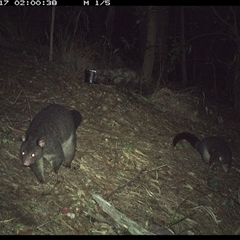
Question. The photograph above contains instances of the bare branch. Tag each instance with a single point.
(120, 218)
(234, 30)
(235, 21)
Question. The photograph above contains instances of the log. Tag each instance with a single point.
(120, 218)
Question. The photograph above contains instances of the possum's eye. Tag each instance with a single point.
(23, 153)
(212, 165)
(220, 159)
(33, 155)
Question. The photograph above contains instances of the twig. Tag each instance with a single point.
(127, 184)
(12, 103)
(132, 180)
(5, 221)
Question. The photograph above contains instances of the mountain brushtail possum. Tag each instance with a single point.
(213, 150)
(51, 136)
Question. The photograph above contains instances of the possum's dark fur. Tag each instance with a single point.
(51, 135)
(213, 150)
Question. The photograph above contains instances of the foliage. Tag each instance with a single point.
(71, 27)
(20, 24)
(129, 46)
(176, 51)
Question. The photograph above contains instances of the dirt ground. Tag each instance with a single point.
(124, 154)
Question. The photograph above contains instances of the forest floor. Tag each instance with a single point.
(124, 155)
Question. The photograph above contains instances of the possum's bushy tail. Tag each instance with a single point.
(192, 139)
(77, 117)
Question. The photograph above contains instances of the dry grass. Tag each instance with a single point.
(124, 154)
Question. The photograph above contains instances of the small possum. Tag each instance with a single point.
(52, 136)
(214, 150)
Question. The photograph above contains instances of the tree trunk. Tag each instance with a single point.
(233, 27)
(236, 89)
(162, 38)
(51, 35)
(150, 45)
(183, 61)
(108, 39)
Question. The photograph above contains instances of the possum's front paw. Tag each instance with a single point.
(66, 169)
(67, 165)
(53, 176)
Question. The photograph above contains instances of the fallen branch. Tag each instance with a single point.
(120, 218)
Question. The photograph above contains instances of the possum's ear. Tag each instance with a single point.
(23, 137)
(41, 142)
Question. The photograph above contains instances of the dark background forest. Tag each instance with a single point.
(173, 46)
(160, 70)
